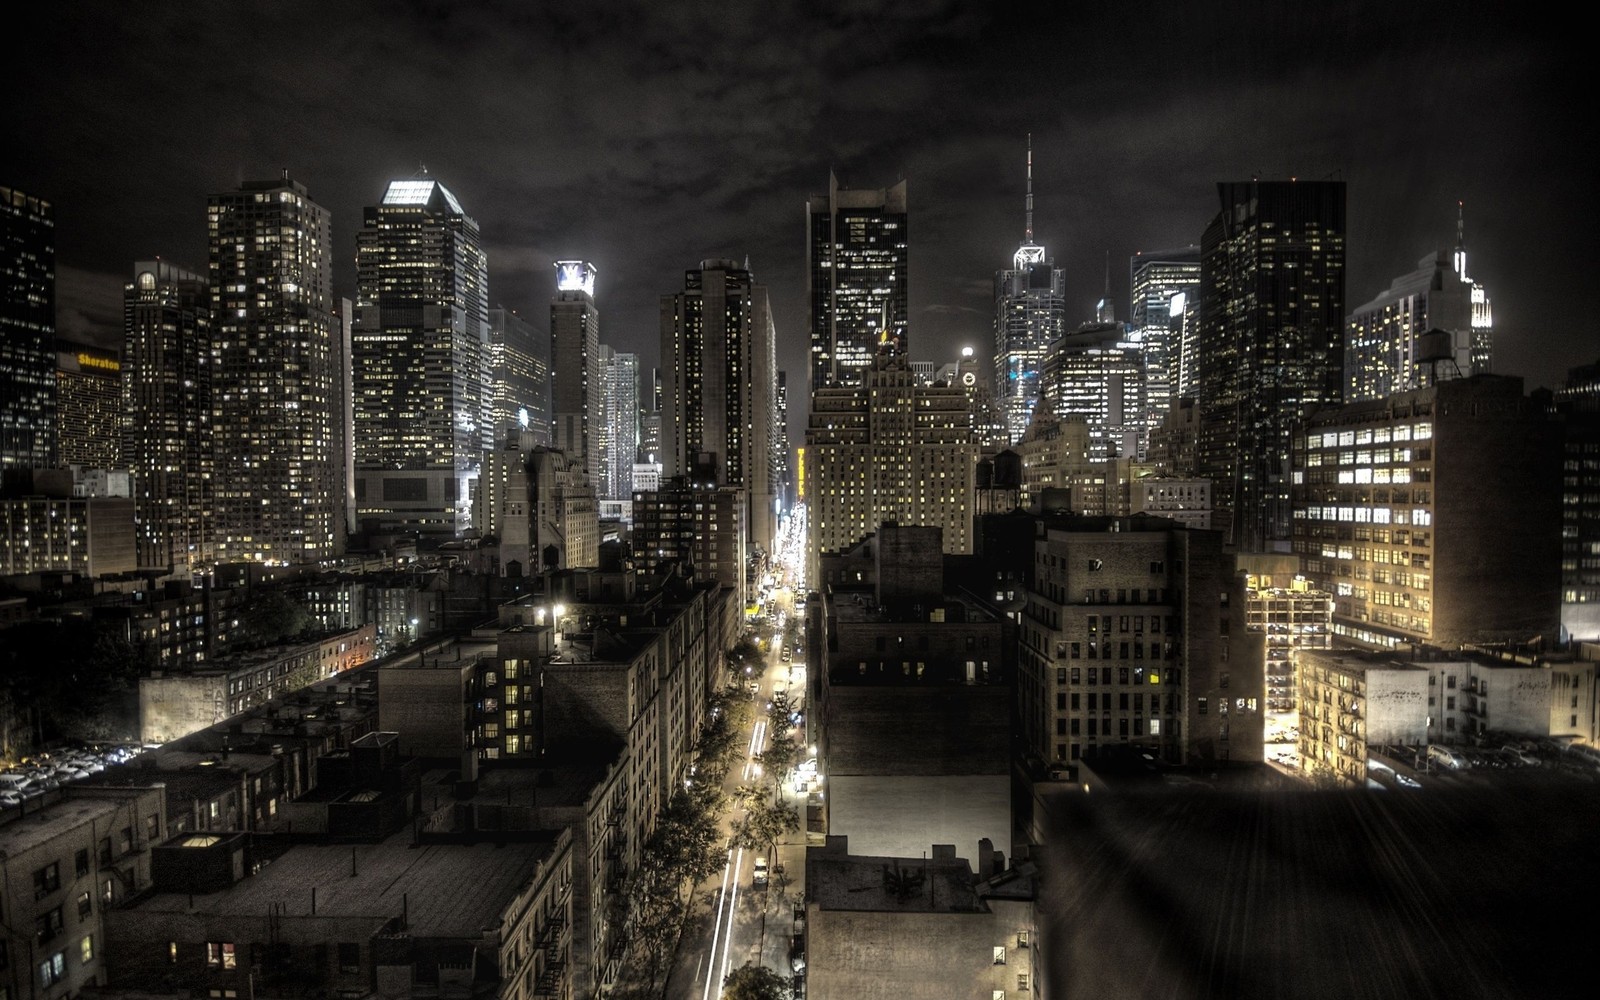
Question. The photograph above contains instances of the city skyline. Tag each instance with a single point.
(574, 144)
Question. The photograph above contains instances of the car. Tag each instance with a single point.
(1520, 755)
(1447, 757)
(1406, 781)
(758, 878)
(9, 798)
(797, 953)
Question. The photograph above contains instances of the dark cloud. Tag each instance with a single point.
(646, 137)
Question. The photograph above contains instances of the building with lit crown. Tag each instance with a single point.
(1385, 351)
(274, 364)
(1029, 315)
(166, 390)
(577, 395)
(88, 406)
(423, 396)
(857, 280)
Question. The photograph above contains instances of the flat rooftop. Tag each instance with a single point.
(837, 881)
(450, 890)
(40, 824)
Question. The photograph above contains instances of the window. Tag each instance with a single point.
(999, 954)
(126, 837)
(349, 957)
(47, 925)
(46, 880)
(220, 955)
(85, 907)
(1201, 708)
(107, 887)
(80, 862)
(1022, 982)
(1022, 939)
(52, 970)
(86, 949)
(172, 953)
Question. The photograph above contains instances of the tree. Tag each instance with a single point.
(274, 616)
(755, 982)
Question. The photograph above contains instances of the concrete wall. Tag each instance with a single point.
(874, 955)
(900, 731)
(1397, 706)
(426, 706)
(179, 704)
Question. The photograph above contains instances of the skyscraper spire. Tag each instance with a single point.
(1461, 241)
(1028, 237)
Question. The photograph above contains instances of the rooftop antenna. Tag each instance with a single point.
(1028, 237)
(1461, 241)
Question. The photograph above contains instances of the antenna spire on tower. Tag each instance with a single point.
(1028, 238)
(1461, 241)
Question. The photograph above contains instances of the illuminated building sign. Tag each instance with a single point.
(575, 276)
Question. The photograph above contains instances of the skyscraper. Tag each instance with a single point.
(166, 387)
(1271, 342)
(273, 369)
(576, 396)
(719, 392)
(519, 372)
(421, 353)
(1098, 373)
(1163, 284)
(619, 425)
(88, 406)
(1029, 315)
(27, 331)
(857, 280)
(1385, 348)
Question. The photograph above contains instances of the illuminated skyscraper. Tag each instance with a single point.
(421, 351)
(576, 395)
(166, 387)
(1097, 372)
(857, 280)
(619, 426)
(1164, 284)
(88, 406)
(27, 331)
(1382, 354)
(1029, 315)
(1271, 345)
(719, 392)
(273, 375)
(519, 373)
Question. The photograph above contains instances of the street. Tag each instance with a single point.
(733, 921)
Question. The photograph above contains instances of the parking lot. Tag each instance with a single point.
(47, 771)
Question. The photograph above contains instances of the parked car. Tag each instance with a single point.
(759, 878)
(1447, 757)
(9, 798)
(1517, 753)
(797, 953)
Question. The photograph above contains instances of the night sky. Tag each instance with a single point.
(647, 137)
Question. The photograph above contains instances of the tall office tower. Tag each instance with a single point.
(575, 391)
(345, 510)
(1029, 315)
(1433, 515)
(88, 406)
(647, 465)
(1098, 373)
(1388, 347)
(27, 331)
(421, 351)
(167, 436)
(1163, 283)
(1271, 343)
(889, 450)
(719, 386)
(701, 526)
(857, 280)
(619, 424)
(782, 472)
(519, 374)
(1578, 403)
(274, 375)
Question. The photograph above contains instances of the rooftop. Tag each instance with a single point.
(450, 890)
(836, 880)
(41, 824)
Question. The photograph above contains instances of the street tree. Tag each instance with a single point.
(755, 982)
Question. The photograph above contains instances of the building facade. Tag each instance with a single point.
(719, 388)
(519, 375)
(619, 426)
(1387, 349)
(888, 450)
(577, 396)
(1271, 342)
(166, 388)
(1098, 373)
(857, 288)
(27, 331)
(274, 366)
(1029, 315)
(1578, 403)
(88, 406)
(420, 345)
(1164, 284)
(1394, 500)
